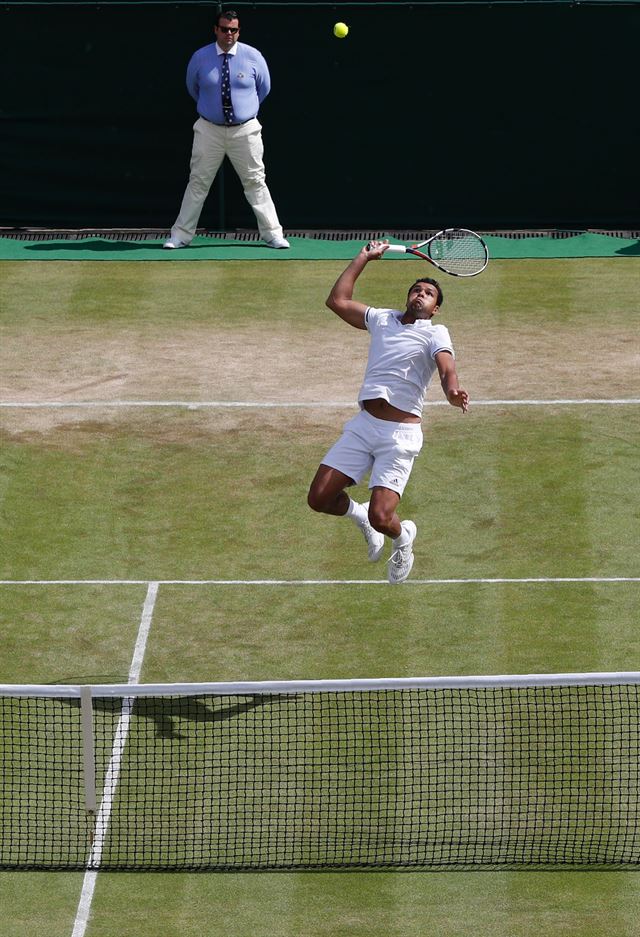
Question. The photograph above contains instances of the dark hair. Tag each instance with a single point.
(433, 283)
(227, 15)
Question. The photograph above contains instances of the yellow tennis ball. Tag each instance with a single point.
(340, 30)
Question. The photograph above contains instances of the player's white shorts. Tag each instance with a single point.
(384, 448)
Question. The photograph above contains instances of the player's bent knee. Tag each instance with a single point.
(315, 501)
(379, 518)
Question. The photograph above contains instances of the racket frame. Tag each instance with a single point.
(415, 250)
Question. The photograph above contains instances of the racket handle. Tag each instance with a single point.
(396, 249)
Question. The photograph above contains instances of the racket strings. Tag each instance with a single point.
(460, 252)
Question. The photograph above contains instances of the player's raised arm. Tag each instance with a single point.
(340, 299)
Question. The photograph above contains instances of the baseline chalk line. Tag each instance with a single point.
(277, 405)
(317, 582)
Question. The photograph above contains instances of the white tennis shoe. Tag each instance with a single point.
(375, 540)
(278, 243)
(401, 561)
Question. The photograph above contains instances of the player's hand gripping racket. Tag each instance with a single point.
(457, 251)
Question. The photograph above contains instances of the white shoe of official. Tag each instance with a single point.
(279, 243)
(375, 540)
(401, 561)
(174, 243)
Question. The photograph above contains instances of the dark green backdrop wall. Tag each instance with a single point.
(489, 116)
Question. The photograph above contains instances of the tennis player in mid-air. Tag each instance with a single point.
(385, 437)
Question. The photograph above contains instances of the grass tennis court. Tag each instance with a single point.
(133, 494)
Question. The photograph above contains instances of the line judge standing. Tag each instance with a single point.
(228, 81)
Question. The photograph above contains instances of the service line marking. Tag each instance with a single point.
(113, 771)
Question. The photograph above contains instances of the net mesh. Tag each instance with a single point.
(459, 252)
(42, 817)
(484, 777)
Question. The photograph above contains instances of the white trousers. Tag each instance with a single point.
(243, 145)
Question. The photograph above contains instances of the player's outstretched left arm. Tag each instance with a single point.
(456, 395)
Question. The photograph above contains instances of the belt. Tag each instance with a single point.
(240, 124)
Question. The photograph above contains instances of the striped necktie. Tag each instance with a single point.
(227, 106)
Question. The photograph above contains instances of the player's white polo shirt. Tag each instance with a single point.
(401, 359)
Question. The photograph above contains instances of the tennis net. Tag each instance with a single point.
(436, 773)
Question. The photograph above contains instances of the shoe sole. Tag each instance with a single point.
(377, 555)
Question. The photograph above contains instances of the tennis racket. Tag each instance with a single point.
(457, 251)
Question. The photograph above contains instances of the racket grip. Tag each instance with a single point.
(396, 249)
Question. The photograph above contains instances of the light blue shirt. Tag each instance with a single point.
(249, 75)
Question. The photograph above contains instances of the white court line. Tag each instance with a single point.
(113, 771)
(313, 582)
(276, 405)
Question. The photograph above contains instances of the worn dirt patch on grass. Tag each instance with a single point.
(71, 430)
(261, 364)
(247, 333)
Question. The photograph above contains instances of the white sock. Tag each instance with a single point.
(357, 512)
(402, 538)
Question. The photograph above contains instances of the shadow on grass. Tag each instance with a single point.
(121, 247)
(166, 712)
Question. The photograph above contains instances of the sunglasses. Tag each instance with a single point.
(229, 29)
